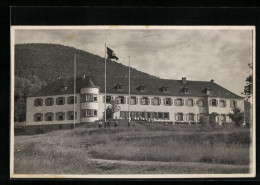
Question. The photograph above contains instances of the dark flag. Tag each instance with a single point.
(111, 54)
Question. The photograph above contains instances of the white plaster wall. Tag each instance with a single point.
(31, 110)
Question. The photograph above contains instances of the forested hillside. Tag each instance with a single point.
(36, 65)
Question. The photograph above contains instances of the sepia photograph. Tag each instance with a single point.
(132, 102)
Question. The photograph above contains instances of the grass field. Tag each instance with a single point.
(143, 148)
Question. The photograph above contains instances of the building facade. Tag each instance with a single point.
(160, 100)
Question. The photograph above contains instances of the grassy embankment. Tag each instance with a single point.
(223, 149)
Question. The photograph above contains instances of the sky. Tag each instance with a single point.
(197, 54)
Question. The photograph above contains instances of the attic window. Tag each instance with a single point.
(165, 89)
(185, 90)
(207, 91)
(141, 88)
(63, 88)
(119, 87)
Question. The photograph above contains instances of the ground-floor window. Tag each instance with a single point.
(88, 113)
(179, 117)
(144, 115)
(49, 116)
(38, 117)
(60, 116)
(190, 117)
(70, 115)
(222, 117)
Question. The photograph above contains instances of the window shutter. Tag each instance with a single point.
(124, 99)
(230, 103)
(159, 101)
(187, 117)
(127, 100)
(171, 101)
(198, 117)
(152, 101)
(148, 101)
(176, 116)
(198, 102)
(136, 100)
(41, 101)
(56, 101)
(182, 102)
(186, 102)
(184, 117)
(164, 101)
(68, 100)
(36, 103)
(216, 102)
(75, 99)
(175, 102)
(194, 102)
(225, 103)
(210, 102)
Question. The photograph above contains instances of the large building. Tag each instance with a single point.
(177, 101)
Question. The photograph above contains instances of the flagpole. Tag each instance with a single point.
(129, 93)
(105, 82)
(74, 115)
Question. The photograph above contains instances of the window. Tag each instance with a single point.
(60, 116)
(200, 116)
(190, 102)
(160, 115)
(214, 102)
(88, 113)
(222, 103)
(166, 115)
(88, 97)
(186, 90)
(63, 88)
(70, 100)
(168, 101)
(133, 100)
(38, 117)
(108, 99)
(222, 117)
(233, 103)
(60, 101)
(38, 102)
(178, 102)
(142, 88)
(200, 103)
(144, 101)
(165, 89)
(49, 116)
(119, 87)
(70, 115)
(49, 101)
(190, 117)
(156, 101)
(120, 99)
(179, 117)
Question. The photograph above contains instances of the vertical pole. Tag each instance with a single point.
(129, 101)
(74, 114)
(105, 82)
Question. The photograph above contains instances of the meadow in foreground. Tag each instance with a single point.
(142, 148)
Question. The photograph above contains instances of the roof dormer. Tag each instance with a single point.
(119, 87)
(63, 88)
(142, 88)
(207, 91)
(165, 89)
(185, 90)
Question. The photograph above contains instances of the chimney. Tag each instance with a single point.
(83, 76)
(183, 80)
(212, 81)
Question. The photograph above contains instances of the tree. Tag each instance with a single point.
(248, 89)
(112, 109)
(237, 116)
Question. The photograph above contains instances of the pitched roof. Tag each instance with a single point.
(152, 87)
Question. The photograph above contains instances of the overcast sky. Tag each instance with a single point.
(222, 55)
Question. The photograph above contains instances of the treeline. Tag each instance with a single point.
(36, 65)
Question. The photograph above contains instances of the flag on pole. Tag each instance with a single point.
(111, 54)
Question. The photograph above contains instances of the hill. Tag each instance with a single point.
(36, 65)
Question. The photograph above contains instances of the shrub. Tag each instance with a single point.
(237, 116)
